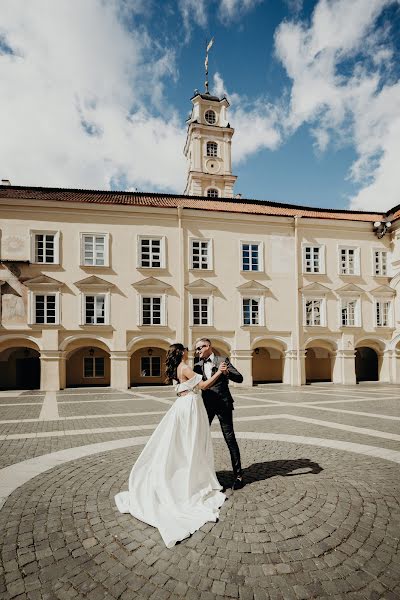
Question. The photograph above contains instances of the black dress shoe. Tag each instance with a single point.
(238, 483)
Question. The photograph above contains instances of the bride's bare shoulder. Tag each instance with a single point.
(184, 372)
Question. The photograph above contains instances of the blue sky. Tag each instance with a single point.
(95, 95)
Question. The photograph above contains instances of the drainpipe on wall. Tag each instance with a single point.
(181, 337)
(298, 303)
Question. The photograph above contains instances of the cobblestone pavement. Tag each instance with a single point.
(318, 517)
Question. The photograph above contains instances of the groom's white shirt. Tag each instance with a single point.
(208, 366)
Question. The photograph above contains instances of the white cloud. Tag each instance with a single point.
(295, 6)
(196, 12)
(80, 99)
(256, 123)
(231, 10)
(193, 11)
(358, 104)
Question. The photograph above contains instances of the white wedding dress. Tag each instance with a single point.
(173, 485)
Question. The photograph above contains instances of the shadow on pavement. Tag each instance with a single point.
(266, 470)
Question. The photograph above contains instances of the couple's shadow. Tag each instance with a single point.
(272, 468)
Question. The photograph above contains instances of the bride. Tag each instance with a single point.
(173, 485)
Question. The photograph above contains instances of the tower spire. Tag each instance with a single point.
(208, 48)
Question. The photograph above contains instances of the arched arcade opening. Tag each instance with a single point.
(319, 362)
(88, 366)
(20, 368)
(147, 366)
(267, 365)
(367, 364)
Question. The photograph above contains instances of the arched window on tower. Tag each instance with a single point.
(212, 149)
(210, 117)
(212, 193)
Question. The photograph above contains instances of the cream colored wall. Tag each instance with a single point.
(124, 224)
(333, 237)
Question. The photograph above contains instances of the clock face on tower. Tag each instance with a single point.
(212, 165)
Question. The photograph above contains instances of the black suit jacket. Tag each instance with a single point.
(219, 394)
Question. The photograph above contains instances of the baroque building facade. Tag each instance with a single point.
(95, 285)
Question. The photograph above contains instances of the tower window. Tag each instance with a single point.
(212, 193)
(210, 117)
(212, 149)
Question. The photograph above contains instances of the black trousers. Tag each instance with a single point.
(224, 414)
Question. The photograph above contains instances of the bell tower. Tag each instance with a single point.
(208, 148)
(208, 145)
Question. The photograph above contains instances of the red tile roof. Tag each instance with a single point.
(231, 205)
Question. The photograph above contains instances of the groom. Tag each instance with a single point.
(218, 400)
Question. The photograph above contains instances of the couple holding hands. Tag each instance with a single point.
(173, 485)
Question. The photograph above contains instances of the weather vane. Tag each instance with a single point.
(208, 48)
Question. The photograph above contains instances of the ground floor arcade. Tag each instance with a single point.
(92, 361)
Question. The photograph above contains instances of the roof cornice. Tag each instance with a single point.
(122, 193)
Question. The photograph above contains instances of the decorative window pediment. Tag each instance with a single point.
(315, 289)
(350, 289)
(43, 282)
(200, 286)
(383, 290)
(94, 283)
(253, 287)
(151, 284)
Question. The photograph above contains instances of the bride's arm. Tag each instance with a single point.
(203, 385)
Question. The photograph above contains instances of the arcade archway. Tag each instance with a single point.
(20, 368)
(147, 366)
(367, 364)
(267, 365)
(320, 357)
(88, 366)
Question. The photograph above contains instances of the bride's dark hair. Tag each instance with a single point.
(173, 359)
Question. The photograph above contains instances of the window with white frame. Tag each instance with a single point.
(383, 310)
(251, 311)
(150, 366)
(212, 149)
(200, 251)
(350, 312)
(314, 312)
(151, 252)
(45, 308)
(212, 193)
(210, 117)
(45, 247)
(94, 249)
(380, 262)
(349, 261)
(152, 310)
(93, 366)
(251, 256)
(95, 309)
(201, 310)
(313, 259)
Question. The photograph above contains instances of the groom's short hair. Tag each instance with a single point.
(203, 339)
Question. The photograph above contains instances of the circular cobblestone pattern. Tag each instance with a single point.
(310, 523)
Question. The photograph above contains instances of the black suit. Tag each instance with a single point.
(218, 401)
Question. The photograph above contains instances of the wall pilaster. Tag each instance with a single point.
(120, 363)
